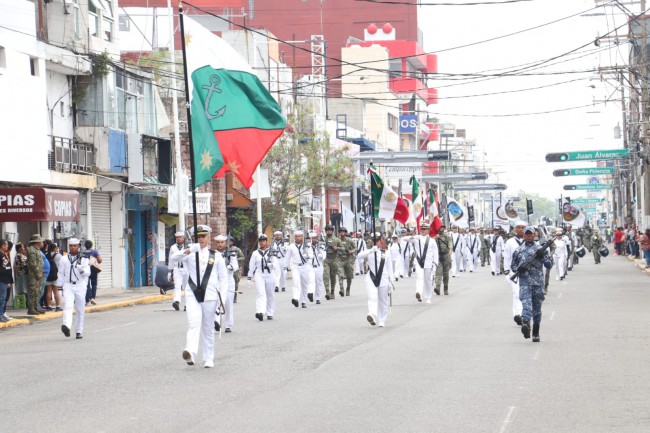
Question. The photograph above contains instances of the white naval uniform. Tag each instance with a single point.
(511, 245)
(179, 272)
(200, 315)
(73, 278)
(560, 258)
(407, 250)
(456, 253)
(426, 251)
(567, 247)
(299, 257)
(573, 244)
(496, 251)
(472, 248)
(378, 296)
(464, 251)
(316, 284)
(395, 252)
(262, 268)
(358, 262)
(280, 248)
(228, 296)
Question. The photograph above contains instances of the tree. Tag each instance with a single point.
(302, 160)
(542, 206)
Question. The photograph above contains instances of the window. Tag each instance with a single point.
(62, 108)
(3, 58)
(101, 12)
(33, 66)
(76, 16)
(392, 122)
(395, 68)
(93, 18)
(124, 23)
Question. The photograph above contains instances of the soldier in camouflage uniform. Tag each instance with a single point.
(445, 246)
(596, 243)
(531, 281)
(35, 274)
(346, 261)
(240, 261)
(330, 264)
(485, 248)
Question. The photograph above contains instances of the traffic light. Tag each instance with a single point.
(557, 157)
(561, 172)
(438, 155)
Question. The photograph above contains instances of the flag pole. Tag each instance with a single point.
(189, 131)
(372, 208)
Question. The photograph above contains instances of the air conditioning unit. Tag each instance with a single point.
(229, 197)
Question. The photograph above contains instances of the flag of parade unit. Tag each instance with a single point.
(417, 206)
(387, 204)
(235, 120)
(434, 214)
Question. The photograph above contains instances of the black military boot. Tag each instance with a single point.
(517, 319)
(525, 328)
(536, 333)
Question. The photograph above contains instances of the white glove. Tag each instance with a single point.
(374, 248)
(229, 267)
(270, 265)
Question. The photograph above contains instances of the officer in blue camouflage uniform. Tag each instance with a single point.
(531, 281)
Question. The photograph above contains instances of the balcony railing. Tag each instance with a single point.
(68, 156)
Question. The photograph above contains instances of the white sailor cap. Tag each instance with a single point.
(521, 223)
(221, 238)
(298, 233)
(559, 231)
(179, 233)
(74, 241)
(394, 236)
(313, 234)
(377, 235)
(202, 229)
(277, 232)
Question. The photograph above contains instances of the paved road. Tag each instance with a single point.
(457, 365)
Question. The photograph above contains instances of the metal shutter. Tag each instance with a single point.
(101, 215)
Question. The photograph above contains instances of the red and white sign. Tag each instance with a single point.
(39, 204)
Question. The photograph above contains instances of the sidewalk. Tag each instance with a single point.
(107, 299)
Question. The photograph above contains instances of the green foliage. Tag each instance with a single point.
(100, 63)
(299, 162)
(542, 206)
(241, 222)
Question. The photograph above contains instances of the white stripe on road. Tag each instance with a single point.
(114, 327)
(552, 315)
(509, 418)
(536, 355)
(559, 296)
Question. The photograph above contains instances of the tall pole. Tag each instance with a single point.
(189, 131)
(180, 191)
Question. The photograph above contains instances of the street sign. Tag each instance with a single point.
(596, 171)
(585, 200)
(588, 155)
(586, 186)
(408, 123)
(588, 209)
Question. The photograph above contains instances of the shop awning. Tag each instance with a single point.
(362, 142)
(38, 204)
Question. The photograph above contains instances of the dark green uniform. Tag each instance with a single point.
(237, 275)
(34, 276)
(596, 245)
(485, 250)
(330, 266)
(346, 264)
(445, 247)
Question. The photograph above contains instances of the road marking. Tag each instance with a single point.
(509, 418)
(552, 315)
(114, 327)
(559, 296)
(536, 355)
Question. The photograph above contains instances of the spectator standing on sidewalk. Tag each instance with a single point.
(53, 258)
(20, 269)
(94, 257)
(618, 241)
(6, 279)
(644, 244)
(35, 274)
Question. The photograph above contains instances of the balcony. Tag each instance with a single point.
(68, 156)
(404, 87)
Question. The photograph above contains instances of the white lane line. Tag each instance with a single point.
(559, 296)
(509, 418)
(552, 315)
(536, 355)
(114, 327)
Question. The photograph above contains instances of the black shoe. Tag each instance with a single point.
(217, 326)
(40, 311)
(284, 290)
(79, 336)
(227, 330)
(347, 292)
(561, 278)
(317, 301)
(259, 316)
(269, 317)
(341, 294)
(446, 292)
(304, 305)
(437, 291)
(418, 297)
(409, 274)
(518, 319)
(536, 333)
(294, 302)
(492, 273)
(65, 330)
(525, 329)
(162, 292)
(327, 297)
(310, 296)
(48, 308)
(277, 289)
(176, 305)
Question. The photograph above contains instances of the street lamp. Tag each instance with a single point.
(412, 156)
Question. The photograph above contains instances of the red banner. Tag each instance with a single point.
(38, 204)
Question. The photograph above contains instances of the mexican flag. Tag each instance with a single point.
(418, 203)
(434, 214)
(235, 120)
(386, 202)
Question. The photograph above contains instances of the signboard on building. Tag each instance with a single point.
(39, 204)
(202, 202)
(408, 123)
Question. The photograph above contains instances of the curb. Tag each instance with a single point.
(94, 309)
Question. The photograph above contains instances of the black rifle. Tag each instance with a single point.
(538, 255)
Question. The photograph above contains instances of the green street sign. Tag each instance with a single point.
(588, 209)
(585, 200)
(592, 186)
(594, 171)
(588, 155)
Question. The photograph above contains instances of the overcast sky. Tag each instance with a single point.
(516, 146)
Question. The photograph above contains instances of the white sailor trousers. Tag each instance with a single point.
(229, 305)
(265, 286)
(377, 300)
(560, 265)
(200, 324)
(358, 266)
(424, 281)
(300, 279)
(516, 302)
(180, 282)
(317, 286)
(74, 296)
(495, 262)
(281, 273)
